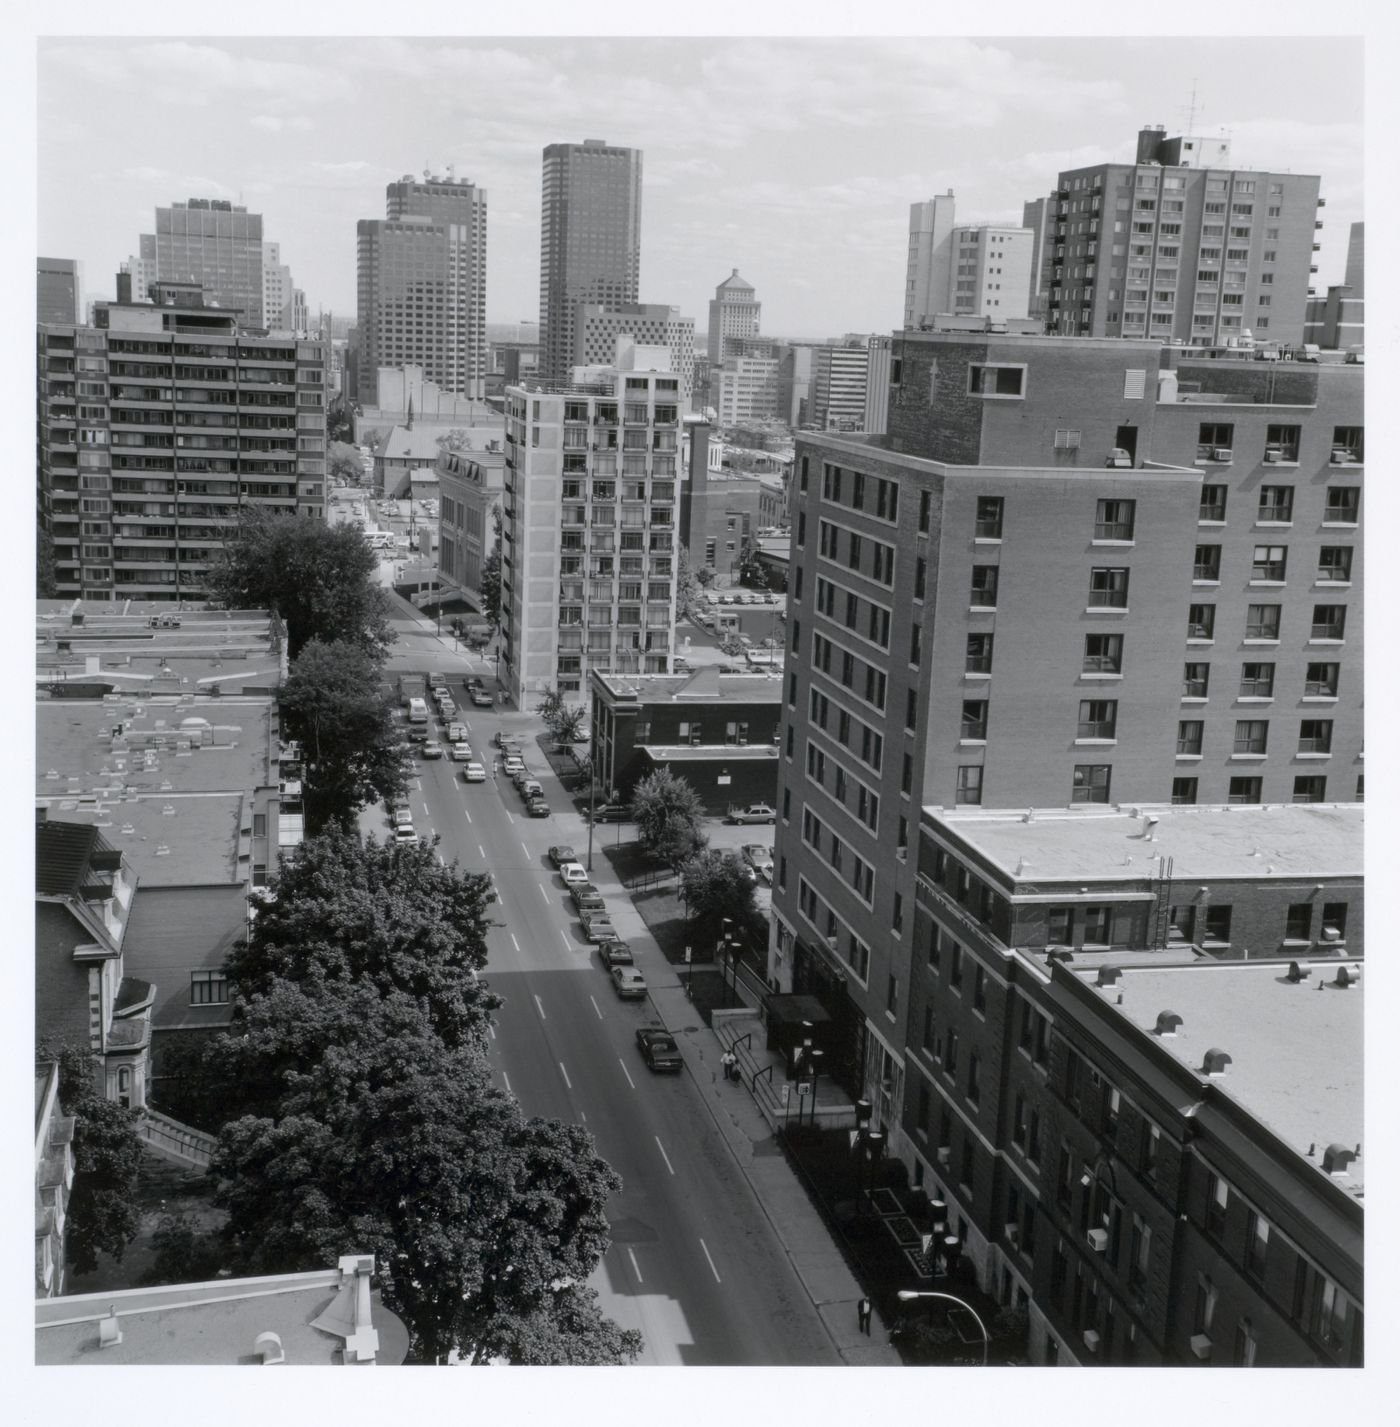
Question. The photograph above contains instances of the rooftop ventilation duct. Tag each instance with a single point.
(1168, 1023)
(268, 1348)
(1215, 1062)
(1337, 1158)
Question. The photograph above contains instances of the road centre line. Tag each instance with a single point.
(635, 1269)
(469, 816)
(492, 1029)
(510, 819)
(595, 1007)
(523, 848)
(711, 1263)
(513, 941)
(482, 851)
(657, 1138)
(568, 945)
(540, 1006)
(543, 893)
(569, 1083)
(506, 1078)
(633, 1084)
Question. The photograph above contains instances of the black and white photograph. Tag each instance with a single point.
(698, 693)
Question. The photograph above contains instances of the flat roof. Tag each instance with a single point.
(194, 844)
(1107, 845)
(1296, 1051)
(702, 685)
(708, 752)
(75, 750)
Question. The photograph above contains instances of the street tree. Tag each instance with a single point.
(572, 724)
(490, 587)
(717, 889)
(550, 707)
(322, 580)
(333, 702)
(480, 1219)
(343, 463)
(668, 813)
(687, 586)
(102, 1212)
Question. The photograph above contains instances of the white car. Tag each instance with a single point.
(572, 872)
(405, 833)
(473, 773)
(460, 753)
(513, 764)
(457, 732)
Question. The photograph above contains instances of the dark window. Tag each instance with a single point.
(208, 988)
(921, 575)
(979, 653)
(1276, 503)
(1213, 502)
(1334, 563)
(1350, 441)
(1321, 681)
(1108, 588)
(804, 475)
(1184, 792)
(974, 718)
(1256, 680)
(979, 989)
(1246, 790)
(1196, 681)
(1217, 1203)
(1091, 783)
(1098, 718)
(1215, 436)
(989, 517)
(1189, 732)
(984, 586)
(1217, 923)
(1315, 735)
(969, 788)
(986, 380)
(1329, 621)
(1113, 519)
(1343, 504)
(1200, 621)
(1270, 562)
(1261, 621)
(911, 708)
(1207, 563)
(1252, 735)
(1298, 923)
(1103, 653)
(1281, 443)
(1334, 921)
(925, 510)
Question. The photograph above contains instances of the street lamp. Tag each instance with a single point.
(908, 1295)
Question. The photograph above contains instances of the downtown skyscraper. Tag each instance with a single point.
(590, 240)
(215, 243)
(422, 285)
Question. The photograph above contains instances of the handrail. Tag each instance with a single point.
(746, 1040)
(768, 1071)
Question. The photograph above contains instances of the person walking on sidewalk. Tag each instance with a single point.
(728, 1061)
(863, 1316)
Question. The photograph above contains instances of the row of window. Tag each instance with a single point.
(862, 617)
(849, 731)
(864, 803)
(862, 553)
(872, 495)
(1321, 680)
(1269, 564)
(845, 863)
(862, 679)
(1252, 736)
(1215, 441)
(1265, 621)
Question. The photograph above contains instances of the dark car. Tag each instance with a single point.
(537, 808)
(615, 953)
(561, 853)
(474, 683)
(612, 813)
(597, 927)
(586, 897)
(659, 1050)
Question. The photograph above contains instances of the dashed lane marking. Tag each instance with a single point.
(523, 848)
(568, 945)
(540, 1007)
(506, 1078)
(565, 1074)
(633, 1084)
(513, 941)
(657, 1138)
(631, 1256)
(543, 893)
(595, 1007)
(711, 1263)
(482, 851)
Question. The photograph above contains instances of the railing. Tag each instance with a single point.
(171, 1138)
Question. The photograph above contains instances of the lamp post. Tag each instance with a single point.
(908, 1295)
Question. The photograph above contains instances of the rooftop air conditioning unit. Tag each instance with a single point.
(1200, 1345)
(1098, 1240)
(1222, 453)
(1340, 456)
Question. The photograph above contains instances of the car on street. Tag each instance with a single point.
(537, 808)
(432, 750)
(752, 813)
(457, 732)
(612, 813)
(506, 740)
(418, 734)
(404, 834)
(481, 699)
(474, 772)
(461, 752)
(597, 926)
(474, 683)
(586, 897)
(615, 953)
(437, 680)
(572, 872)
(447, 710)
(629, 983)
(659, 1050)
(561, 853)
(529, 788)
(513, 764)
(756, 853)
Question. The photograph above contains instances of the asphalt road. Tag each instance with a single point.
(694, 1263)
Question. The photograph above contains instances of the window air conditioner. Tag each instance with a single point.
(1200, 1345)
(1013, 1235)
(1098, 1240)
(1340, 456)
(1273, 454)
(1331, 934)
(945, 1154)
(1091, 1340)
(1222, 453)
(1118, 458)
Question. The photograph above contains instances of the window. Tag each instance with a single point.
(911, 708)
(1276, 503)
(1334, 921)
(1315, 735)
(985, 379)
(1350, 440)
(1195, 681)
(1262, 622)
(1343, 505)
(950, 1054)
(1270, 563)
(1246, 790)
(979, 989)
(921, 576)
(1256, 681)
(1205, 1304)
(1206, 566)
(969, 788)
(1098, 718)
(1097, 926)
(1217, 1202)
(1297, 924)
(1281, 443)
(1320, 681)
(891, 995)
(984, 586)
(1184, 792)
(974, 719)
(1213, 503)
(979, 654)
(1334, 564)
(1091, 783)
(1252, 735)
(955, 956)
(1139, 1254)
(925, 511)
(1103, 653)
(1310, 788)
(990, 509)
(974, 1077)
(208, 988)
(1329, 621)
(916, 644)
(1108, 587)
(1113, 519)
(1246, 1345)
(1189, 733)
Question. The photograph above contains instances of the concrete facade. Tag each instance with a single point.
(648, 324)
(216, 244)
(987, 270)
(734, 313)
(58, 297)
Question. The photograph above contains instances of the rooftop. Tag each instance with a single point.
(425, 443)
(1295, 1048)
(167, 745)
(1315, 840)
(701, 685)
(708, 752)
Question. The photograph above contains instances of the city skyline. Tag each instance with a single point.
(796, 160)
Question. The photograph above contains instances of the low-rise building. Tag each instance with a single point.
(53, 1179)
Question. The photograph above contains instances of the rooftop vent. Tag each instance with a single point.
(1108, 976)
(1296, 973)
(268, 1348)
(1347, 977)
(1336, 1158)
(1168, 1023)
(109, 1333)
(1215, 1062)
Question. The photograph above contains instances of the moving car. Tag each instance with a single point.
(461, 752)
(561, 853)
(659, 1050)
(474, 773)
(474, 683)
(406, 833)
(417, 734)
(597, 927)
(506, 740)
(629, 983)
(615, 953)
(537, 808)
(432, 750)
(572, 872)
(447, 710)
(457, 732)
(753, 813)
(481, 699)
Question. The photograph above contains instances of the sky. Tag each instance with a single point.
(792, 159)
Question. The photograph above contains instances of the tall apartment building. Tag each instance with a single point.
(421, 274)
(734, 312)
(590, 241)
(840, 375)
(1038, 216)
(1180, 247)
(1137, 577)
(745, 387)
(58, 299)
(284, 304)
(982, 271)
(215, 244)
(157, 427)
(588, 569)
(648, 324)
(1338, 321)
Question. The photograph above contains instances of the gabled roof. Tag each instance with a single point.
(734, 283)
(62, 853)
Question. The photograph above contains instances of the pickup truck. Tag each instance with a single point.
(753, 813)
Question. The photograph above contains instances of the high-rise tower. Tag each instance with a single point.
(734, 312)
(590, 240)
(218, 245)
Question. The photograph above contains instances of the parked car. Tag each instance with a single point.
(402, 814)
(537, 808)
(612, 813)
(753, 813)
(513, 764)
(474, 683)
(474, 772)
(597, 926)
(529, 788)
(561, 853)
(480, 699)
(586, 897)
(461, 752)
(756, 853)
(615, 953)
(629, 983)
(418, 734)
(432, 750)
(659, 1050)
(571, 872)
(404, 834)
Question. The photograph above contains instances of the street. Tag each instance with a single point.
(694, 1264)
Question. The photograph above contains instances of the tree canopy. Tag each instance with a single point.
(343, 462)
(716, 888)
(333, 703)
(321, 580)
(668, 814)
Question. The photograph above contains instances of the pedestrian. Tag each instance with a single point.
(727, 1062)
(863, 1316)
(495, 768)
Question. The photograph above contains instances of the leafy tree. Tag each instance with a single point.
(551, 707)
(717, 888)
(102, 1214)
(668, 813)
(572, 724)
(333, 703)
(45, 572)
(185, 1252)
(705, 577)
(344, 464)
(322, 580)
(490, 587)
(687, 586)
